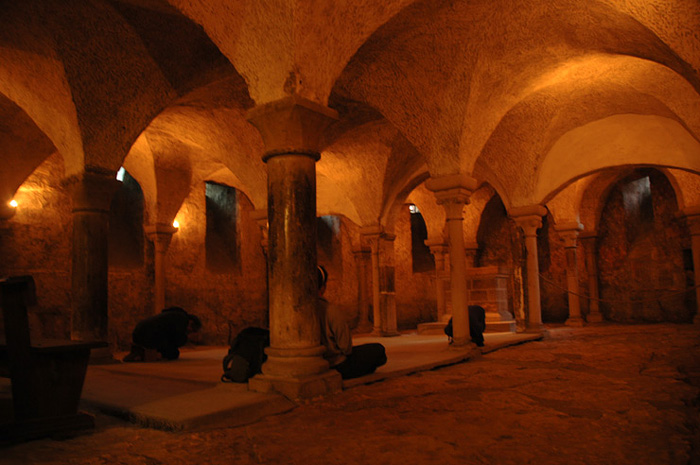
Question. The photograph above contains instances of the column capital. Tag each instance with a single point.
(588, 234)
(528, 218)
(372, 230)
(471, 246)
(361, 252)
(92, 190)
(292, 125)
(452, 192)
(436, 246)
(569, 233)
(159, 229)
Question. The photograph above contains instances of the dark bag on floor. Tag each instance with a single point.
(246, 355)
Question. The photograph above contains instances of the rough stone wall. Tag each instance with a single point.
(227, 301)
(415, 292)
(37, 241)
(552, 260)
(640, 255)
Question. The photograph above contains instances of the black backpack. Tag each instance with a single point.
(246, 355)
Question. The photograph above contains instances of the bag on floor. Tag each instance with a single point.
(246, 355)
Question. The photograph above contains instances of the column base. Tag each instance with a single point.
(298, 388)
(534, 328)
(594, 318)
(389, 333)
(576, 322)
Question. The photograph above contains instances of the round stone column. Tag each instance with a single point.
(438, 248)
(290, 129)
(372, 235)
(161, 235)
(453, 192)
(529, 219)
(91, 194)
(363, 259)
(569, 233)
(589, 238)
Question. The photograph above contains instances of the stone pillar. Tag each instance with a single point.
(438, 248)
(291, 129)
(692, 215)
(161, 235)
(372, 235)
(569, 233)
(589, 238)
(363, 257)
(260, 218)
(91, 193)
(452, 192)
(529, 219)
(387, 286)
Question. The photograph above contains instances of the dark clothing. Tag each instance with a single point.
(351, 361)
(477, 325)
(363, 360)
(165, 332)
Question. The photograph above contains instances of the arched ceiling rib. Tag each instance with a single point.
(23, 147)
(367, 163)
(620, 140)
(587, 90)
(289, 47)
(447, 92)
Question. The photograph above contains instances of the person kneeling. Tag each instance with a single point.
(165, 332)
(350, 361)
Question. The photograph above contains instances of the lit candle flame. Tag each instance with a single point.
(176, 224)
(13, 203)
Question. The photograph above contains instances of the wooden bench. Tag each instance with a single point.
(46, 375)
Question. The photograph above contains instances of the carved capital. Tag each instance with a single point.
(529, 224)
(569, 233)
(452, 192)
(528, 218)
(160, 234)
(292, 125)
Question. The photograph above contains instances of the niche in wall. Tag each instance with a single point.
(222, 243)
(126, 236)
(422, 259)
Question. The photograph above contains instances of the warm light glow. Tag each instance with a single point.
(13, 203)
(120, 174)
(176, 224)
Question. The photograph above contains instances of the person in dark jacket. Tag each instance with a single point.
(165, 332)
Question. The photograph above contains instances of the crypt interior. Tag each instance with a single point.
(538, 158)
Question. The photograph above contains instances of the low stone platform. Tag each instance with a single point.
(187, 394)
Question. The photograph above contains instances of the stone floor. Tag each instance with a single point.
(606, 394)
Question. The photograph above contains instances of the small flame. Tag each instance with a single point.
(176, 224)
(13, 203)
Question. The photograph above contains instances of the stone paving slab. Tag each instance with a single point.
(188, 394)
